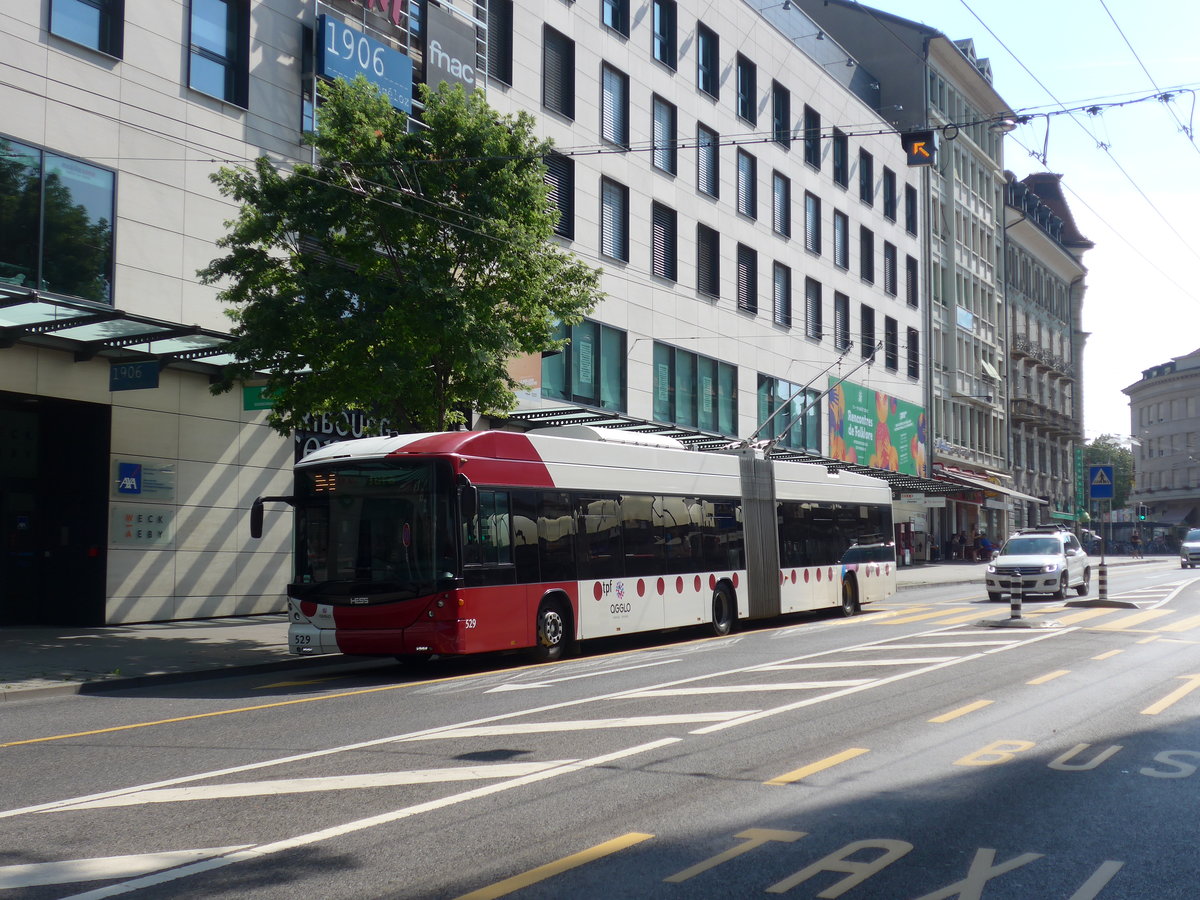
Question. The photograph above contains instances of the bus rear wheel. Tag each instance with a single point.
(849, 598)
(724, 611)
(552, 637)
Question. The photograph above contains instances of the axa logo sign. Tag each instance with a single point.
(450, 51)
(129, 478)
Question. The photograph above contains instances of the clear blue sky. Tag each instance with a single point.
(1139, 199)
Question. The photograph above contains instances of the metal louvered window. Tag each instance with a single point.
(781, 295)
(866, 260)
(781, 204)
(558, 72)
(841, 240)
(664, 243)
(747, 276)
(890, 277)
(664, 156)
(708, 169)
(708, 261)
(560, 176)
(812, 223)
(891, 344)
(812, 308)
(841, 321)
(614, 220)
(867, 331)
(747, 201)
(911, 281)
(500, 40)
(614, 106)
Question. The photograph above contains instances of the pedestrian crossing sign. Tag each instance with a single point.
(1100, 482)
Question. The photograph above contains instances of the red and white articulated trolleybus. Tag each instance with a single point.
(472, 542)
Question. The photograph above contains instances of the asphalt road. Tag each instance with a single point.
(905, 753)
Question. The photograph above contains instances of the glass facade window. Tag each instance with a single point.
(798, 425)
(747, 184)
(781, 296)
(891, 344)
(867, 330)
(99, 24)
(708, 71)
(614, 220)
(841, 158)
(866, 177)
(914, 353)
(747, 90)
(614, 106)
(812, 137)
(56, 223)
(666, 41)
(558, 72)
(694, 391)
(890, 199)
(747, 277)
(781, 114)
(219, 57)
(615, 15)
(664, 156)
(560, 176)
(590, 369)
(708, 168)
(910, 209)
(781, 204)
(708, 261)
(866, 260)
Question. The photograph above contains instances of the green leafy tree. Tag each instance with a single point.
(399, 274)
(1108, 450)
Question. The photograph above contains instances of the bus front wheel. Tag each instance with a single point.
(724, 611)
(849, 598)
(552, 637)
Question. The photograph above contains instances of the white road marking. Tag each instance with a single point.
(746, 688)
(577, 725)
(857, 663)
(303, 840)
(546, 682)
(103, 868)
(938, 644)
(326, 783)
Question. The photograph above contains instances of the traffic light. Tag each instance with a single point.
(1141, 512)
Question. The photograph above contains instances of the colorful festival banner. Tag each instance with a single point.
(874, 429)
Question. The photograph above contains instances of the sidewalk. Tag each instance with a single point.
(85, 660)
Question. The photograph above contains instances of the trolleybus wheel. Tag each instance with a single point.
(724, 611)
(552, 637)
(849, 598)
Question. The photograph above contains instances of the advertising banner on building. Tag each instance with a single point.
(874, 429)
(450, 53)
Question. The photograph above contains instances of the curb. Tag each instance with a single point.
(137, 681)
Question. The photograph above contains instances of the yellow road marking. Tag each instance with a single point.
(283, 684)
(1136, 619)
(541, 873)
(1150, 640)
(1108, 654)
(958, 620)
(1183, 624)
(962, 711)
(1084, 616)
(1193, 682)
(918, 618)
(819, 766)
(1049, 676)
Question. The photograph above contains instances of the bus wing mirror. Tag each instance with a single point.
(468, 500)
(256, 513)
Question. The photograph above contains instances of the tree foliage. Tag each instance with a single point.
(400, 273)
(1110, 450)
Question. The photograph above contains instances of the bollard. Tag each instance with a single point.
(1103, 580)
(1015, 598)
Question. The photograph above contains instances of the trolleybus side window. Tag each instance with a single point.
(721, 536)
(599, 529)
(525, 536)
(487, 539)
(642, 534)
(556, 537)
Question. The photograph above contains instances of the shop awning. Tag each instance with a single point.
(983, 484)
(1174, 516)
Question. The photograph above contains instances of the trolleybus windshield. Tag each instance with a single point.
(373, 532)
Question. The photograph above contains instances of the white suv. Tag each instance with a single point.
(1189, 550)
(1043, 560)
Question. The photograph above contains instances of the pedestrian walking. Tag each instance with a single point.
(1135, 541)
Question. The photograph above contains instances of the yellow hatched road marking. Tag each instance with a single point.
(919, 618)
(1084, 616)
(1109, 654)
(541, 873)
(962, 711)
(1136, 619)
(1183, 624)
(958, 620)
(819, 766)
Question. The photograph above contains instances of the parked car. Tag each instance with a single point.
(1189, 550)
(1047, 559)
